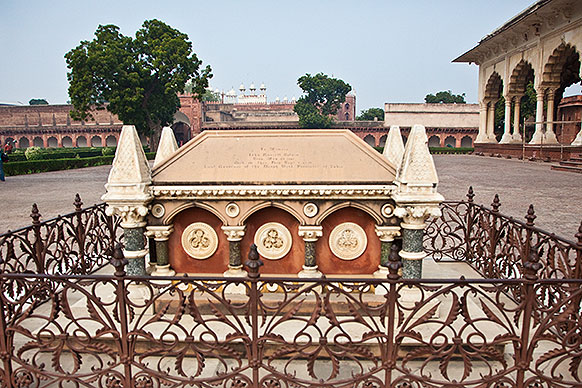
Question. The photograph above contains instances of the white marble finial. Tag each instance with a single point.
(394, 147)
(167, 146)
(417, 163)
(130, 175)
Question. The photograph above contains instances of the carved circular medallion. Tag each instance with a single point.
(348, 241)
(232, 210)
(387, 210)
(199, 240)
(273, 240)
(158, 210)
(310, 209)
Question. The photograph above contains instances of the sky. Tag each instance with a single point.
(388, 51)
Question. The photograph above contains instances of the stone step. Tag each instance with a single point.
(576, 159)
(557, 167)
(571, 163)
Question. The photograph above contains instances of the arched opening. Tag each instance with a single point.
(23, 143)
(450, 141)
(181, 128)
(434, 141)
(521, 89)
(366, 262)
(67, 142)
(180, 260)
(38, 142)
(52, 142)
(404, 139)
(293, 260)
(382, 142)
(370, 140)
(81, 141)
(466, 142)
(495, 106)
(96, 141)
(561, 74)
(347, 116)
(111, 141)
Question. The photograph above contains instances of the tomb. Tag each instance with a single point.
(313, 201)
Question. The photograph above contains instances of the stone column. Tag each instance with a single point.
(482, 136)
(550, 136)
(507, 126)
(538, 134)
(310, 235)
(161, 234)
(234, 235)
(413, 224)
(491, 123)
(133, 224)
(386, 234)
(516, 134)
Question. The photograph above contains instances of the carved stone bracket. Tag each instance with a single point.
(387, 233)
(415, 216)
(132, 215)
(310, 233)
(234, 232)
(159, 233)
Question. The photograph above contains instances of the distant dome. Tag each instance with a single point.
(263, 87)
(285, 99)
(232, 92)
(241, 87)
(277, 99)
(217, 90)
(252, 87)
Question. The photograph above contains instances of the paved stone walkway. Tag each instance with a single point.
(556, 195)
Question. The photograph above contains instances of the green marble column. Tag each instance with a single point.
(412, 252)
(386, 234)
(135, 251)
(234, 235)
(161, 234)
(310, 235)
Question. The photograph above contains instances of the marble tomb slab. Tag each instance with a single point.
(275, 157)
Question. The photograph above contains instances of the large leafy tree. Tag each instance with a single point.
(445, 97)
(371, 114)
(321, 99)
(137, 79)
(38, 101)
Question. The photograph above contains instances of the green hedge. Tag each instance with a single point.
(66, 153)
(36, 166)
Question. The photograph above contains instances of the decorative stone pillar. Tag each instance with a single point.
(550, 136)
(538, 135)
(491, 123)
(161, 234)
(416, 200)
(482, 136)
(234, 235)
(386, 234)
(128, 193)
(516, 134)
(412, 252)
(310, 235)
(506, 138)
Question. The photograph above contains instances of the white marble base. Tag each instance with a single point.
(235, 272)
(550, 138)
(162, 270)
(309, 272)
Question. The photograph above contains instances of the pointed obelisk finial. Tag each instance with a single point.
(394, 147)
(167, 146)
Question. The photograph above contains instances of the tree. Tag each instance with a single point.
(322, 98)
(136, 79)
(371, 114)
(38, 101)
(527, 110)
(445, 97)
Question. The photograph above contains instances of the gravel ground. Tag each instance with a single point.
(555, 195)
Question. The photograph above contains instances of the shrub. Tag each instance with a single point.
(108, 151)
(35, 166)
(34, 153)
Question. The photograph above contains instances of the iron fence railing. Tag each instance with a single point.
(76, 243)
(497, 245)
(123, 331)
(62, 325)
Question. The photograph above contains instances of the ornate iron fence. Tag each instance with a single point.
(76, 243)
(121, 331)
(496, 245)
